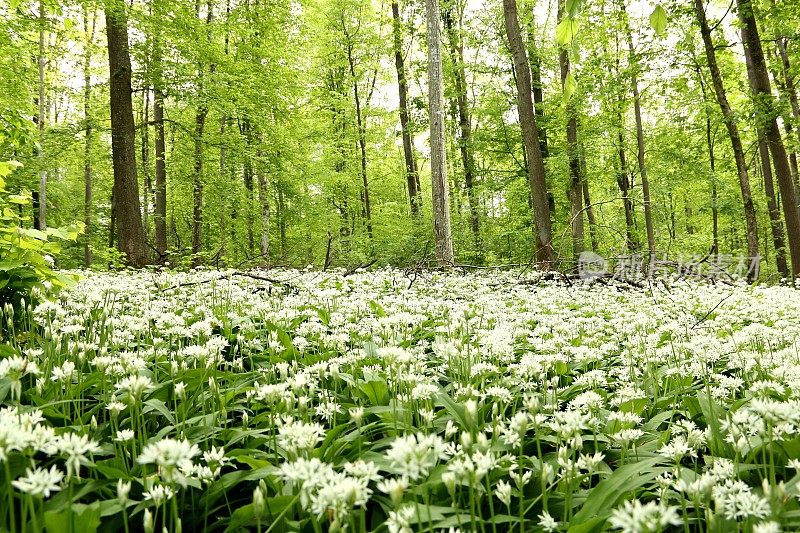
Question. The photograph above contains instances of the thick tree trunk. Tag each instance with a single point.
(640, 154)
(125, 206)
(530, 137)
(412, 173)
(762, 92)
(440, 193)
(464, 121)
(535, 62)
(733, 131)
(575, 191)
(87, 143)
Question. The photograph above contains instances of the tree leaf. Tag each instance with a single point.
(658, 20)
(566, 31)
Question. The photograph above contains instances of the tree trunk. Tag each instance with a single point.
(145, 142)
(624, 184)
(197, 186)
(160, 215)
(42, 217)
(733, 131)
(362, 140)
(772, 206)
(87, 144)
(530, 137)
(535, 62)
(587, 199)
(263, 197)
(640, 154)
(464, 121)
(412, 174)
(575, 191)
(125, 205)
(762, 92)
(440, 194)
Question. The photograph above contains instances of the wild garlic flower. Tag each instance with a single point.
(173, 458)
(39, 482)
(637, 517)
(416, 455)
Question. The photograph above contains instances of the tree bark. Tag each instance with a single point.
(762, 93)
(87, 143)
(772, 206)
(42, 218)
(362, 136)
(412, 173)
(263, 197)
(160, 215)
(125, 205)
(733, 131)
(575, 191)
(530, 137)
(587, 199)
(440, 193)
(465, 125)
(640, 154)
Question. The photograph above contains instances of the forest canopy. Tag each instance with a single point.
(352, 132)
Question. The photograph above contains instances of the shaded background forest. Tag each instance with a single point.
(269, 132)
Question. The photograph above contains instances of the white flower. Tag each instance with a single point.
(172, 456)
(124, 435)
(547, 522)
(503, 492)
(39, 482)
(400, 520)
(75, 447)
(415, 455)
(636, 517)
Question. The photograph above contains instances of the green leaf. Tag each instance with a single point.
(570, 85)
(573, 7)
(658, 20)
(84, 518)
(626, 479)
(566, 30)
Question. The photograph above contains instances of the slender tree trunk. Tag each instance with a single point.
(145, 141)
(159, 147)
(624, 184)
(575, 192)
(282, 221)
(535, 61)
(733, 131)
(197, 186)
(465, 125)
(263, 197)
(640, 154)
(530, 137)
(772, 206)
(42, 220)
(762, 92)
(125, 205)
(87, 144)
(440, 193)
(362, 140)
(587, 199)
(412, 174)
(160, 215)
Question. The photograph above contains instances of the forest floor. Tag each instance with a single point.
(411, 400)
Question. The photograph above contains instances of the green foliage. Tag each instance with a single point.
(27, 254)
